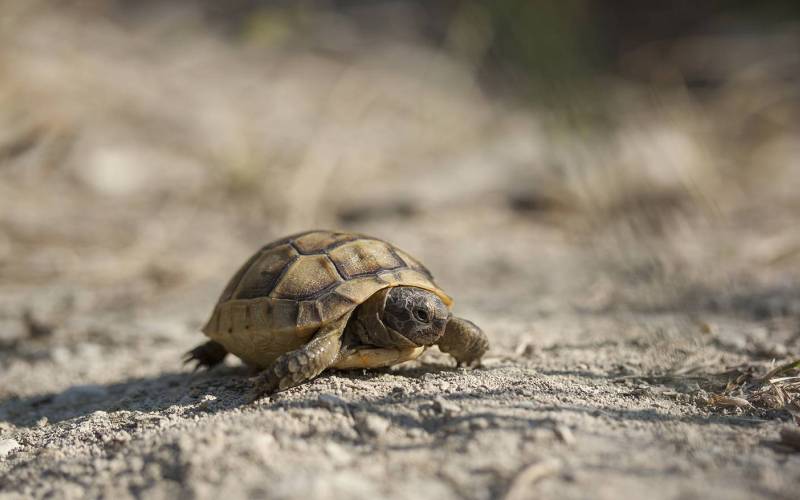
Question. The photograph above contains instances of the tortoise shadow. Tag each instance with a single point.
(143, 394)
(540, 412)
(228, 386)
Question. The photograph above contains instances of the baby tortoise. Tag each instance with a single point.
(322, 299)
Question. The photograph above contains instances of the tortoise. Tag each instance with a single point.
(322, 299)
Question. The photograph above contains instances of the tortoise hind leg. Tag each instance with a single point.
(303, 364)
(206, 355)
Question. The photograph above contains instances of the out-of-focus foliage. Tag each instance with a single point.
(550, 41)
(252, 118)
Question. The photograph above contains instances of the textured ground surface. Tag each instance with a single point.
(615, 272)
(101, 405)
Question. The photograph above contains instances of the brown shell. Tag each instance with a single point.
(291, 287)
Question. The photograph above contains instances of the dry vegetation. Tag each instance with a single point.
(634, 254)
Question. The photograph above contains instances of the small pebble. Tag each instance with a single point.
(415, 433)
(441, 405)
(479, 424)
(7, 446)
(206, 402)
(372, 425)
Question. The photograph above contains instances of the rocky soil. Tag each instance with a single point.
(624, 275)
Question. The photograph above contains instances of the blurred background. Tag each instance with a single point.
(608, 188)
(545, 159)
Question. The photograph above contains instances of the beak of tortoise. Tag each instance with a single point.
(440, 324)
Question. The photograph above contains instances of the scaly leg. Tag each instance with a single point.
(464, 341)
(303, 364)
(206, 355)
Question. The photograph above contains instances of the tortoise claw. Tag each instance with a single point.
(206, 355)
(264, 385)
(465, 341)
(475, 363)
(254, 395)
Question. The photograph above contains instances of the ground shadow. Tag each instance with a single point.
(229, 386)
(225, 388)
(146, 394)
(536, 413)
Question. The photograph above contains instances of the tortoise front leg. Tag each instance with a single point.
(303, 364)
(464, 341)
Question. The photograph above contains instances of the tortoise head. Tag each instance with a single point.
(415, 313)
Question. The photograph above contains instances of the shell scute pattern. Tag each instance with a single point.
(283, 313)
(412, 262)
(233, 284)
(364, 257)
(334, 305)
(266, 271)
(309, 265)
(356, 289)
(309, 314)
(307, 277)
(293, 286)
(320, 241)
(296, 284)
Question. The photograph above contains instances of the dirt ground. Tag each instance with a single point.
(623, 273)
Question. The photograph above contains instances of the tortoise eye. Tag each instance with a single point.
(421, 314)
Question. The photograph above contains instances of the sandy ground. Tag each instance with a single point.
(612, 300)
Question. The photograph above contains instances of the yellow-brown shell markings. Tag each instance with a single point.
(291, 287)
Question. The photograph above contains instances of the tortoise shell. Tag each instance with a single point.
(291, 287)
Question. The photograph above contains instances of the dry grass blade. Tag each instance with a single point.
(728, 401)
(782, 369)
(778, 389)
(771, 396)
(784, 380)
